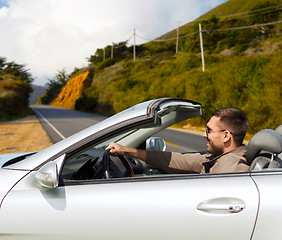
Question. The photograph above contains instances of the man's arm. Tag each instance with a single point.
(117, 149)
(170, 161)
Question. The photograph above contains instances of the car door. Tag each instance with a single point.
(179, 207)
(268, 223)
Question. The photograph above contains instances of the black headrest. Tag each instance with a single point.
(264, 140)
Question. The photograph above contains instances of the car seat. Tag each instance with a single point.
(279, 129)
(263, 150)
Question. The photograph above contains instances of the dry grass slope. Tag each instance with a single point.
(23, 135)
(72, 91)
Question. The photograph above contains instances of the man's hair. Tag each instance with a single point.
(235, 121)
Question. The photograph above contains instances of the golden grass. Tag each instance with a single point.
(23, 135)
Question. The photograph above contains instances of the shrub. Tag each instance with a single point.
(104, 64)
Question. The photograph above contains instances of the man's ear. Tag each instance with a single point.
(227, 136)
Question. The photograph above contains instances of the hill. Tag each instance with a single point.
(239, 8)
(233, 10)
(242, 68)
(37, 92)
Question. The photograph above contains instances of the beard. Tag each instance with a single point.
(214, 150)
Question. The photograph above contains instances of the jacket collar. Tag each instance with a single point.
(213, 159)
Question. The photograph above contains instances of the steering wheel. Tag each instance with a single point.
(104, 169)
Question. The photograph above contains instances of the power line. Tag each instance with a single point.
(134, 35)
(253, 12)
(122, 45)
(168, 39)
(208, 31)
(257, 11)
(243, 27)
(155, 40)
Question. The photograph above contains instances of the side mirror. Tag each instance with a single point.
(47, 176)
(155, 144)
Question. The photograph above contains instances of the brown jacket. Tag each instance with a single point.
(233, 161)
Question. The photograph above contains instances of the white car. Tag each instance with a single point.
(75, 190)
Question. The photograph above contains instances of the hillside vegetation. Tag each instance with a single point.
(237, 8)
(15, 88)
(243, 67)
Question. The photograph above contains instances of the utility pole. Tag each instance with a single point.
(202, 47)
(134, 50)
(112, 51)
(104, 54)
(177, 37)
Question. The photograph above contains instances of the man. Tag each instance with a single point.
(224, 133)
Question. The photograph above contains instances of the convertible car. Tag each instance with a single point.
(75, 190)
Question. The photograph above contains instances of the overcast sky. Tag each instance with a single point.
(49, 35)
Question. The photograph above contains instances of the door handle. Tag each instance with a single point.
(224, 205)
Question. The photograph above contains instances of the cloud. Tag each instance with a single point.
(49, 35)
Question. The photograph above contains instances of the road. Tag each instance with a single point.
(60, 123)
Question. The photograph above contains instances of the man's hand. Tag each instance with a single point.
(117, 149)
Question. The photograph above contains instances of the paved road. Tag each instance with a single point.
(60, 123)
(180, 141)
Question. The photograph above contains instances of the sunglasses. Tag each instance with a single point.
(208, 130)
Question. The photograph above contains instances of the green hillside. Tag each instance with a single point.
(241, 8)
(252, 83)
(243, 67)
(234, 13)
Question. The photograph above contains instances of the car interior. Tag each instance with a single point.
(97, 163)
(264, 151)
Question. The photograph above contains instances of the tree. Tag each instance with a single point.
(54, 86)
(15, 85)
(120, 51)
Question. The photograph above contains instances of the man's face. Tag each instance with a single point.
(214, 136)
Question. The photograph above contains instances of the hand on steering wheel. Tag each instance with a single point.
(105, 165)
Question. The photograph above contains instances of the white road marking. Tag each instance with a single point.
(49, 124)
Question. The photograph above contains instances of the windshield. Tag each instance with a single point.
(104, 145)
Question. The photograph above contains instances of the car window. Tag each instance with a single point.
(88, 164)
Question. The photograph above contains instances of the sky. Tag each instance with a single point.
(48, 36)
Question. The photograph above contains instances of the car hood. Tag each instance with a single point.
(149, 113)
(8, 176)
(8, 157)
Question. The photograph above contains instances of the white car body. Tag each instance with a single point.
(38, 199)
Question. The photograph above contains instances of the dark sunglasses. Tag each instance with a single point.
(208, 130)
